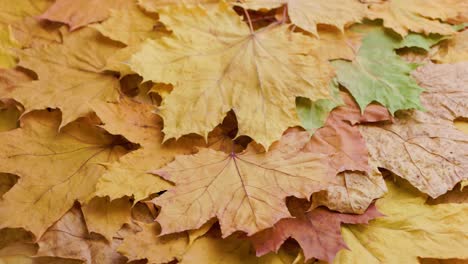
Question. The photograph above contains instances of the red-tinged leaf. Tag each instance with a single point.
(317, 232)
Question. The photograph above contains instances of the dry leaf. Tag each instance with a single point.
(216, 64)
(245, 191)
(71, 231)
(317, 232)
(69, 75)
(55, 169)
(79, 13)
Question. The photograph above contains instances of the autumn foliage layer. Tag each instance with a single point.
(235, 131)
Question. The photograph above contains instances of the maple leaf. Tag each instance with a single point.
(69, 75)
(10, 13)
(217, 64)
(129, 176)
(129, 26)
(314, 114)
(415, 15)
(317, 231)
(426, 148)
(106, 217)
(245, 191)
(79, 13)
(156, 249)
(341, 140)
(71, 231)
(354, 192)
(368, 79)
(453, 50)
(410, 229)
(446, 90)
(55, 169)
(308, 14)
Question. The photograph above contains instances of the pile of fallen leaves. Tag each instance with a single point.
(255, 131)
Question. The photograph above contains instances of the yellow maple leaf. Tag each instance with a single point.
(130, 175)
(129, 26)
(409, 229)
(11, 12)
(418, 16)
(217, 64)
(106, 217)
(158, 5)
(55, 169)
(308, 14)
(147, 244)
(69, 75)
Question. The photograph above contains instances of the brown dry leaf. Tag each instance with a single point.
(419, 16)
(129, 176)
(446, 95)
(157, 249)
(107, 217)
(69, 238)
(308, 14)
(217, 64)
(431, 155)
(69, 75)
(317, 232)
(424, 147)
(453, 50)
(79, 13)
(354, 192)
(245, 191)
(55, 169)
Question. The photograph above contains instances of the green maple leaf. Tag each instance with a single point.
(379, 74)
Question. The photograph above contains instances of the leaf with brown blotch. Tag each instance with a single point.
(317, 232)
(55, 169)
(71, 231)
(217, 64)
(69, 75)
(157, 249)
(129, 176)
(341, 140)
(424, 147)
(107, 217)
(245, 191)
(79, 13)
